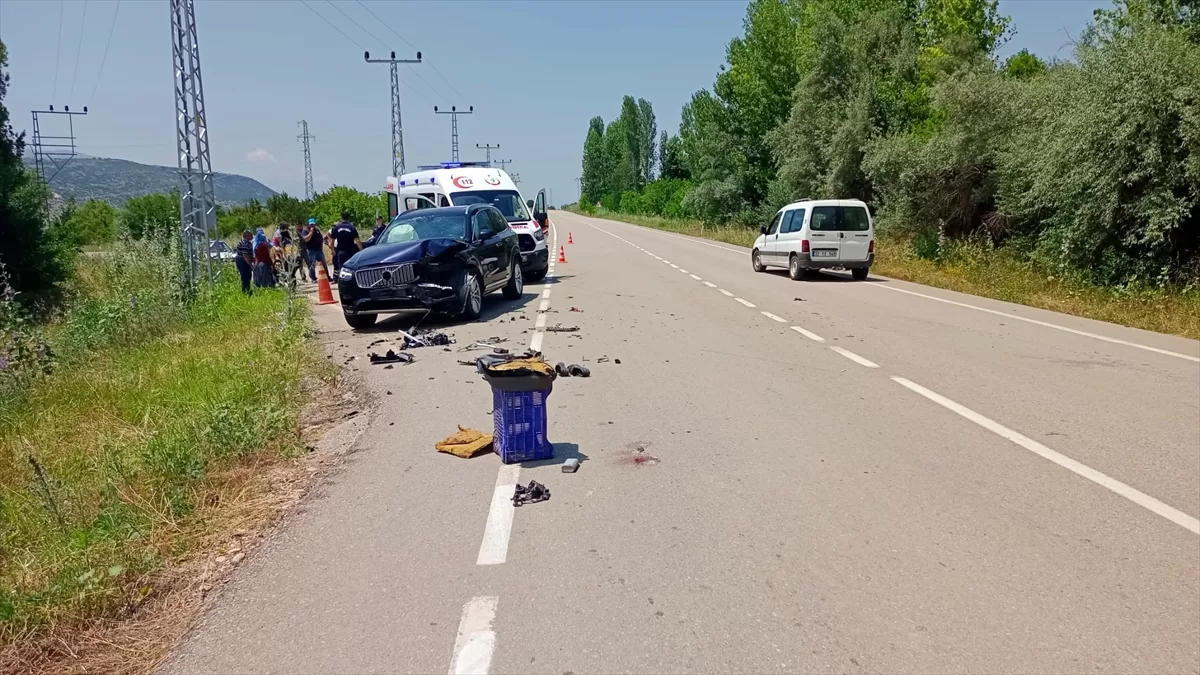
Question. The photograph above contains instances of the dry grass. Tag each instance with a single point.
(992, 273)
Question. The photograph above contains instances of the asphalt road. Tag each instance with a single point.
(835, 476)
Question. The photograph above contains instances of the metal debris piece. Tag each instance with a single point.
(602, 359)
(571, 465)
(559, 328)
(530, 494)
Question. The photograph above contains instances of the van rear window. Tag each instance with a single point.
(839, 219)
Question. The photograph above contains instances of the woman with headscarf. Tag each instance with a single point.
(264, 272)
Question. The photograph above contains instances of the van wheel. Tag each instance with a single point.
(795, 271)
(859, 273)
(756, 263)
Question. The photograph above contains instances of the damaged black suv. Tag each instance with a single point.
(439, 259)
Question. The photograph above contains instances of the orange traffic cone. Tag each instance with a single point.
(562, 254)
(324, 291)
(570, 239)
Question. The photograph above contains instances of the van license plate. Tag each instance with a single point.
(824, 253)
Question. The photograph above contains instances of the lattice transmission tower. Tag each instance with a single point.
(305, 137)
(197, 199)
(397, 127)
(454, 112)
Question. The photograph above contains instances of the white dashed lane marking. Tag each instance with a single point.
(774, 318)
(695, 277)
(855, 357)
(710, 284)
(746, 302)
(725, 292)
(476, 641)
(808, 334)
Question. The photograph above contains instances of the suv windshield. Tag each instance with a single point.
(415, 226)
(839, 219)
(508, 201)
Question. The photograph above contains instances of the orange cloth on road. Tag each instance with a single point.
(466, 443)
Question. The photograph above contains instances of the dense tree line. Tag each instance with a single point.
(1091, 164)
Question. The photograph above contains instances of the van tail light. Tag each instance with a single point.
(804, 246)
(871, 247)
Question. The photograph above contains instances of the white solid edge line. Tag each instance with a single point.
(774, 317)
(855, 357)
(710, 284)
(746, 302)
(1043, 323)
(695, 277)
(1132, 494)
(476, 641)
(725, 292)
(808, 334)
(494, 548)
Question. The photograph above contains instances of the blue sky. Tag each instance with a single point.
(536, 72)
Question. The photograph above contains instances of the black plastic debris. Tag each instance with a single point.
(576, 370)
(617, 361)
(391, 357)
(530, 494)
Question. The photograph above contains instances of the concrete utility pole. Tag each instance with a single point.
(489, 149)
(397, 127)
(60, 150)
(305, 137)
(197, 200)
(453, 112)
(578, 190)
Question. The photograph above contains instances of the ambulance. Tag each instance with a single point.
(464, 183)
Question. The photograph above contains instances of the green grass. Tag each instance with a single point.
(993, 273)
(120, 462)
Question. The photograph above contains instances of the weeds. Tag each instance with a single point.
(981, 269)
(111, 465)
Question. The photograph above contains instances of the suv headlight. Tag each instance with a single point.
(345, 274)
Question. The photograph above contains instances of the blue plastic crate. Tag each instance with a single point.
(520, 425)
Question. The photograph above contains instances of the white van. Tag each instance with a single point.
(815, 234)
(463, 183)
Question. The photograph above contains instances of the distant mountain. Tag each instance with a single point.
(115, 180)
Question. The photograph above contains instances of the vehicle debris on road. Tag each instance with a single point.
(465, 443)
(426, 339)
(391, 357)
(571, 465)
(573, 370)
(559, 328)
(530, 494)
(576, 309)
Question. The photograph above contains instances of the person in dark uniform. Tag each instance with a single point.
(379, 227)
(245, 259)
(345, 241)
(314, 251)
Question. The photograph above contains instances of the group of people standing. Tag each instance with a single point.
(268, 262)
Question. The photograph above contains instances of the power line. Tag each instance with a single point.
(58, 48)
(439, 73)
(104, 58)
(385, 24)
(355, 42)
(79, 48)
(351, 20)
